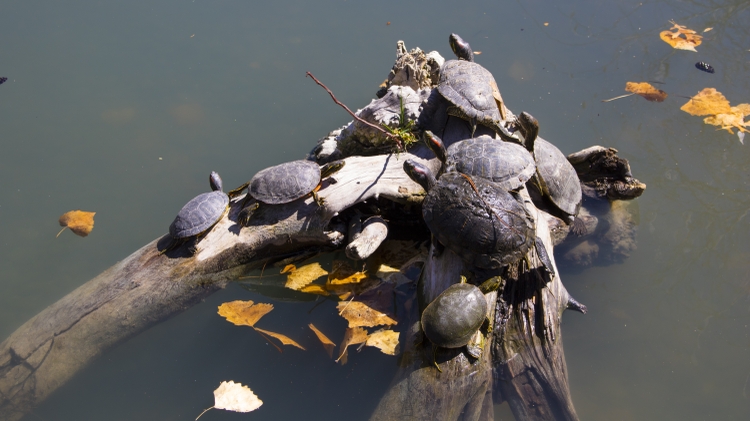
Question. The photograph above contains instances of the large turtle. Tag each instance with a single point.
(453, 317)
(200, 214)
(285, 183)
(507, 164)
(555, 178)
(486, 226)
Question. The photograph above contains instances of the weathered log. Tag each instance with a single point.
(148, 287)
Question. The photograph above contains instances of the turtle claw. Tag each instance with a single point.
(578, 227)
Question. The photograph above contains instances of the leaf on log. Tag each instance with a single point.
(244, 313)
(80, 222)
(298, 278)
(385, 340)
(327, 343)
(283, 338)
(646, 90)
(681, 37)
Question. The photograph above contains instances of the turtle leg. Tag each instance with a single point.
(247, 213)
(319, 200)
(238, 190)
(578, 227)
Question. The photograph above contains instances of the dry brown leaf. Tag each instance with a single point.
(360, 314)
(244, 313)
(681, 38)
(352, 336)
(80, 222)
(327, 343)
(706, 102)
(385, 340)
(646, 90)
(283, 338)
(303, 276)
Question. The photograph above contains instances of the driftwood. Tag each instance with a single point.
(520, 358)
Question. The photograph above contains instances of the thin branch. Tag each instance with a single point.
(391, 136)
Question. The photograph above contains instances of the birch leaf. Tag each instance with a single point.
(244, 313)
(284, 339)
(80, 222)
(359, 314)
(385, 340)
(352, 336)
(327, 343)
(681, 38)
(303, 276)
(646, 90)
(706, 102)
(235, 397)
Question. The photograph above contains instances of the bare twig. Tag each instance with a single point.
(391, 136)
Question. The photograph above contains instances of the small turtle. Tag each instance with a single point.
(485, 225)
(200, 214)
(555, 178)
(454, 316)
(507, 164)
(285, 183)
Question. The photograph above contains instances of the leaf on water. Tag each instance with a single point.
(681, 38)
(235, 397)
(343, 274)
(359, 314)
(303, 276)
(327, 343)
(646, 90)
(352, 336)
(720, 113)
(314, 289)
(244, 313)
(707, 29)
(741, 135)
(80, 222)
(385, 340)
(283, 338)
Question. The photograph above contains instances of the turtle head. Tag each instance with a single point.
(461, 48)
(215, 181)
(420, 174)
(529, 128)
(436, 145)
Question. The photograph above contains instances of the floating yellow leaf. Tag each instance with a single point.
(284, 339)
(385, 340)
(327, 343)
(235, 397)
(682, 38)
(80, 222)
(244, 313)
(646, 90)
(720, 113)
(352, 336)
(358, 314)
(303, 276)
(707, 29)
(343, 274)
(706, 102)
(314, 289)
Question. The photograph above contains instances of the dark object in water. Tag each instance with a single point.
(2, 80)
(704, 66)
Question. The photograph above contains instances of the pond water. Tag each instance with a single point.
(123, 108)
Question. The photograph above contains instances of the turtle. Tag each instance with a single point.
(200, 214)
(507, 164)
(452, 318)
(285, 183)
(555, 178)
(485, 225)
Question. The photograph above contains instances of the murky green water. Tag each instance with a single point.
(123, 108)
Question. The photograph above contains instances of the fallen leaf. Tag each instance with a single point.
(720, 113)
(327, 343)
(476, 53)
(80, 222)
(303, 276)
(359, 314)
(385, 340)
(681, 38)
(235, 397)
(352, 336)
(284, 339)
(646, 90)
(244, 313)
(343, 274)
(707, 29)
(314, 289)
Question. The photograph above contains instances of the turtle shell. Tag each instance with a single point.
(508, 164)
(489, 230)
(452, 318)
(557, 177)
(199, 214)
(468, 86)
(285, 182)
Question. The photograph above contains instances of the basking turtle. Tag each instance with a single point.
(507, 164)
(555, 178)
(200, 214)
(452, 318)
(485, 225)
(285, 183)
